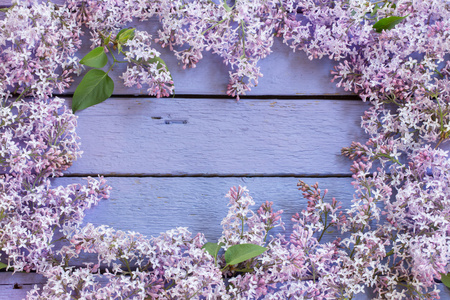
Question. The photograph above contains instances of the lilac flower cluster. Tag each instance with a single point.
(170, 266)
(37, 135)
(146, 70)
(174, 265)
(105, 19)
(395, 238)
(241, 35)
(38, 44)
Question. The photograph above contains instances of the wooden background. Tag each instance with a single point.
(171, 161)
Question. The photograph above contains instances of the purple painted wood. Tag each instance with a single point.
(154, 205)
(16, 286)
(145, 136)
(217, 136)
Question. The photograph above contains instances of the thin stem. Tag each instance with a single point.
(358, 240)
(242, 228)
(220, 22)
(243, 39)
(23, 93)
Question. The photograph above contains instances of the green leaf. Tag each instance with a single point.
(239, 253)
(3, 266)
(213, 248)
(387, 23)
(124, 35)
(95, 59)
(225, 5)
(95, 87)
(107, 39)
(120, 32)
(446, 279)
(375, 9)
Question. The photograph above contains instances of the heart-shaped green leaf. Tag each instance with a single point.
(445, 278)
(3, 266)
(242, 252)
(95, 59)
(95, 87)
(387, 23)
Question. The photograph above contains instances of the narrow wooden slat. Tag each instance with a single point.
(16, 286)
(9, 293)
(217, 136)
(7, 3)
(154, 205)
(28, 280)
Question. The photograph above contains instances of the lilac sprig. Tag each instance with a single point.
(37, 135)
(175, 264)
(38, 142)
(241, 35)
(144, 64)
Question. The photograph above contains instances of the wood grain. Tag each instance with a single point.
(16, 286)
(151, 206)
(154, 205)
(217, 137)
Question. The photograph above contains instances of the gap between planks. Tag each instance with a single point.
(202, 175)
(242, 97)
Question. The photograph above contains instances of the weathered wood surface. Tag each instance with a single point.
(217, 137)
(152, 205)
(16, 286)
(7, 3)
(178, 157)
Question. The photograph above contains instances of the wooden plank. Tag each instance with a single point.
(285, 72)
(220, 136)
(6, 3)
(26, 282)
(154, 205)
(16, 286)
